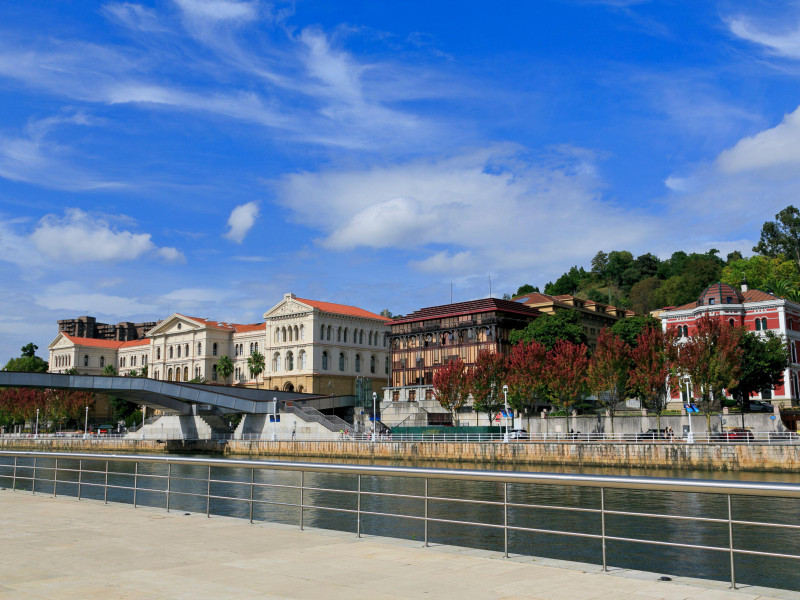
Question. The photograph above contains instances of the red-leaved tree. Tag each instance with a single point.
(450, 386)
(607, 375)
(526, 376)
(565, 373)
(485, 383)
(653, 369)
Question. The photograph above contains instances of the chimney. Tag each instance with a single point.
(744, 284)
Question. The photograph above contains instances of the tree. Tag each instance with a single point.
(255, 364)
(224, 367)
(549, 329)
(609, 368)
(643, 295)
(28, 362)
(760, 271)
(450, 387)
(386, 313)
(631, 328)
(110, 371)
(781, 236)
(485, 382)
(599, 264)
(526, 375)
(652, 369)
(526, 289)
(764, 360)
(712, 359)
(565, 373)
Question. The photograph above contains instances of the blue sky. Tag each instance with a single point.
(207, 156)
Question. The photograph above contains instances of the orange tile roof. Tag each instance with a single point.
(82, 341)
(758, 296)
(342, 309)
(128, 344)
(247, 328)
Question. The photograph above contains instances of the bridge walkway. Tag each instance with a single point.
(62, 548)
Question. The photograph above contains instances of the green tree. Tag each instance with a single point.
(28, 362)
(485, 382)
(110, 371)
(255, 364)
(759, 271)
(781, 236)
(224, 367)
(549, 329)
(599, 264)
(643, 295)
(526, 289)
(735, 255)
(631, 328)
(764, 359)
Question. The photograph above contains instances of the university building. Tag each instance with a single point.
(309, 346)
(755, 310)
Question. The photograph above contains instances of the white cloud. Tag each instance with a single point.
(242, 219)
(93, 303)
(776, 147)
(219, 10)
(785, 43)
(80, 237)
(495, 208)
(133, 16)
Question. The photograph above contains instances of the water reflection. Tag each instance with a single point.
(276, 497)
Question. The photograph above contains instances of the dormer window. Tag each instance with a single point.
(711, 301)
(728, 300)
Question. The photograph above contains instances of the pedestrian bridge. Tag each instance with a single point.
(181, 398)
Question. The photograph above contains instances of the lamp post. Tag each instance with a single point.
(505, 400)
(274, 418)
(374, 415)
(690, 438)
(86, 424)
(36, 431)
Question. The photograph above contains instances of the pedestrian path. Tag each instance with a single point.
(64, 549)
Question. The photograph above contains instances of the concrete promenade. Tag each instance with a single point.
(59, 548)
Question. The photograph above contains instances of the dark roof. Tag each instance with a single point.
(721, 291)
(467, 308)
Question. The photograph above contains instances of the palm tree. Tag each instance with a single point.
(110, 370)
(224, 367)
(256, 364)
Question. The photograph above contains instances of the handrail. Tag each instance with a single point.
(18, 473)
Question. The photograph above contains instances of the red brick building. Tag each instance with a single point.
(757, 311)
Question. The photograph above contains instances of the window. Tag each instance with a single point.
(764, 325)
(731, 322)
(256, 346)
(341, 361)
(178, 374)
(302, 333)
(758, 324)
(296, 333)
(236, 350)
(179, 351)
(289, 361)
(283, 334)
(370, 338)
(361, 337)
(324, 361)
(251, 348)
(339, 335)
(102, 361)
(155, 374)
(186, 350)
(372, 364)
(358, 363)
(186, 373)
(793, 346)
(302, 360)
(169, 375)
(728, 300)
(276, 362)
(144, 359)
(290, 333)
(711, 301)
(197, 372)
(171, 352)
(345, 335)
(199, 349)
(322, 332)
(236, 373)
(214, 370)
(214, 353)
(277, 334)
(158, 353)
(329, 332)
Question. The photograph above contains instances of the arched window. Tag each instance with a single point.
(345, 335)
(361, 337)
(171, 352)
(341, 361)
(764, 325)
(283, 334)
(102, 361)
(276, 362)
(256, 346)
(144, 359)
(251, 348)
(158, 353)
(302, 333)
(179, 351)
(214, 372)
(301, 362)
(329, 332)
(236, 373)
(289, 361)
(197, 372)
(277, 334)
(372, 364)
(291, 338)
(370, 338)
(186, 373)
(214, 353)
(358, 363)
(199, 348)
(178, 374)
(322, 332)
(186, 350)
(236, 349)
(155, 374)
(758, 324)
(731, 322)
(339, 335)
(169, 375)
(324, 361)
(85, 360)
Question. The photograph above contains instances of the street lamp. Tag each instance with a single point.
(374, 415)
(36, 431)
(274, 418)
(690, 438)
(505, 399)
(86, 424)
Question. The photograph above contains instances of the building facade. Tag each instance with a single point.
(756, 311)
(88, 327)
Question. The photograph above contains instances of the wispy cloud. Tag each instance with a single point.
(133, 16)
(778, 147)
(779, 40)
(242, 219)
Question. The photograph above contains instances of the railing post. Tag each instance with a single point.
(358, 510)
(33, 482)
(302, 501)
(169, 482)
(426, 512)
(603, 524)
(135, 481)
(208, 494)
(252, 484)
(730, 543)
(105, 487)
(14, 476)
(505, 519)
(55, 481)
(80, 477)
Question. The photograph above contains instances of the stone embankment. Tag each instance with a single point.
(678, 455)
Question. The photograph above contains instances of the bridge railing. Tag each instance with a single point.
(176, 479)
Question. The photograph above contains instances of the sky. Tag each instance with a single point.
(208, 156)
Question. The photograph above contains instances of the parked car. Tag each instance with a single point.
(652, 434)
(735, 434)
(761, 406)
(518, 434)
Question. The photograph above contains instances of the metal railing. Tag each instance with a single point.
(15, 469)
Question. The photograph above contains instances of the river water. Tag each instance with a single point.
(234, 483)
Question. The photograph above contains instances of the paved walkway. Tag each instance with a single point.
(61, 548)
